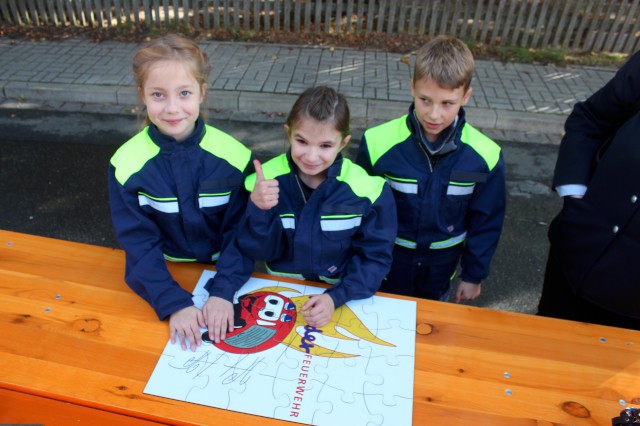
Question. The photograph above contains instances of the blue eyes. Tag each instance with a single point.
(159, 95)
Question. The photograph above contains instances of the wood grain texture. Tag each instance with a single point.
(78, 342)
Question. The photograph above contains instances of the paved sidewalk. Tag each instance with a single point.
(259, 82)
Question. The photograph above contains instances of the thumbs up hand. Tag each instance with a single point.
(265, 192)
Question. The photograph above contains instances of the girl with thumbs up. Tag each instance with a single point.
(315, 215)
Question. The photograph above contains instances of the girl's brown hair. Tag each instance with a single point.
(322, 104)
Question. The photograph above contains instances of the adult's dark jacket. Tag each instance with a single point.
(597, 238)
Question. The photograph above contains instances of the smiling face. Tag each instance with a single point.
(172, 96)
(314, 147)
(437, 107)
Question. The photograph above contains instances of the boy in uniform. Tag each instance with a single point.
(448, 180)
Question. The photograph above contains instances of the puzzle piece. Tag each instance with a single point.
(283, 377)
(381, 415)
(188, 372)
(367, 318)
(345, 413)
(408, 323)
(356, 367)
(242, 376)
(395, 329)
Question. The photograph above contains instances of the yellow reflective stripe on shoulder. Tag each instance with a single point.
(488, 149)
(131, 157)
(382, 138)
(226, 147)
(273, 168)
(363, 185)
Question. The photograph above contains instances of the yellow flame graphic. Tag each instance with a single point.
(343, 317)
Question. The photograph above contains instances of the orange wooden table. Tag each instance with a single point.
(78, 347)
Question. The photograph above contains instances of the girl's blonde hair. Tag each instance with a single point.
(171, 47)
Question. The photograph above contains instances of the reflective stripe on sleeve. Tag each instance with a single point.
(178, 259)
(214, 257)
(328, 280)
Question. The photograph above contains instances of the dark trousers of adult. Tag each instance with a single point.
(559, 300)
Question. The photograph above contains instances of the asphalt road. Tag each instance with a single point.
(53, 182)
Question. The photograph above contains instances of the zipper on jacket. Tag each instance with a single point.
(304, 197)
(424, 151)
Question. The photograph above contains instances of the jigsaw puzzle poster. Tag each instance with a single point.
(356, 370)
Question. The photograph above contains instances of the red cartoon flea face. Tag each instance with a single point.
(261, 321)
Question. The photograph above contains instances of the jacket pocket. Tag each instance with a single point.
(340, 222)
(405, 193)
(214, 196)
(457, 195)
(163, 210)
(338, 225)
(152, 204)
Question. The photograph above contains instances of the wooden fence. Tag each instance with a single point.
(587, 25)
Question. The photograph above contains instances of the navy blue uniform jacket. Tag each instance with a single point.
(179, 202)
(343, 234)
(453, 209)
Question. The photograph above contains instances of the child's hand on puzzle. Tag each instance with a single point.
(318, 310)
(218, 317)
(265, 192)
(184, 327)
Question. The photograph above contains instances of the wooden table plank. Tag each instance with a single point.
(24, 408)
(74, 333)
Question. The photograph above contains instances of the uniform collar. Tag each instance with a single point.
(447, 140)
(168, 143)
(332, 172)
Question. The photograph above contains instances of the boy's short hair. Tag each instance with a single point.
(446, 60)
